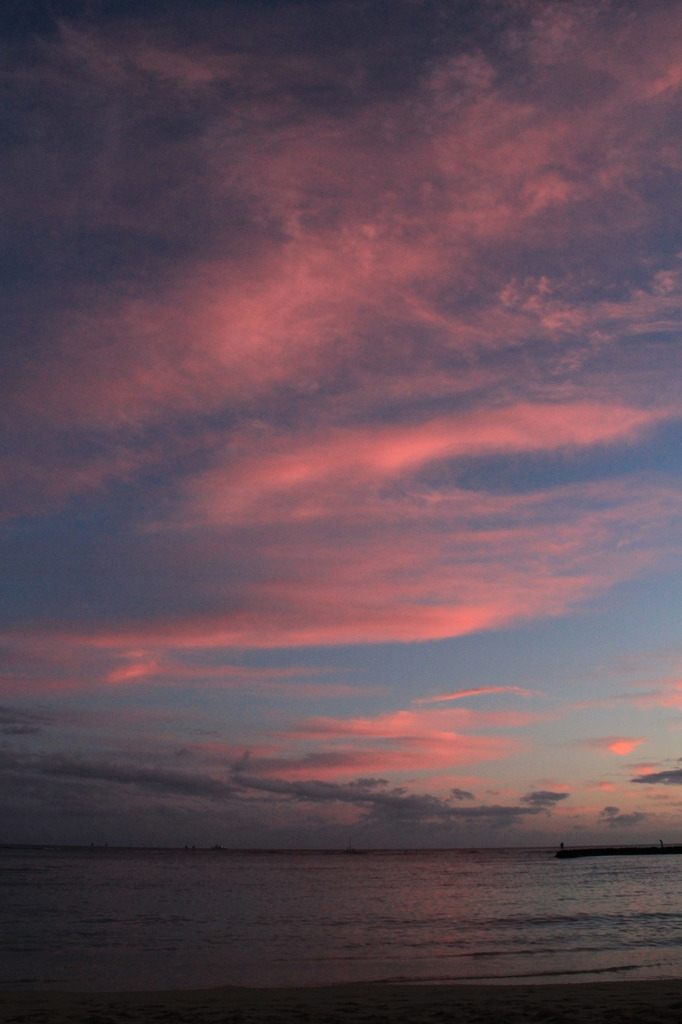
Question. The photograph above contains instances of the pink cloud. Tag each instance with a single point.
(461, 571)
(60, 663)
(405, 215)
(621, 745)
(137, 667)
(401, 741)
(407, 724)
(36, 662)
(646, 767)
(259, 469)
(364, 273)
(415, 564)
(425, 754)
(136, 670)
(459, 694)
(404, 743)
(669, 694)
(420, 760)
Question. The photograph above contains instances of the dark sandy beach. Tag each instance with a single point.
(624, 1002)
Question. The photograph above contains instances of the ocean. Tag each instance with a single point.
(108, 919)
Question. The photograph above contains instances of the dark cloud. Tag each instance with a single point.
(461, 794)
(612, 817)
(391, 809)
(543, 798)
(389, 805)
(369, 783)
(496, 814)
(672, 777)
(15, 722)
(155, 780)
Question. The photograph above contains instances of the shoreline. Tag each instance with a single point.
(594, 1002)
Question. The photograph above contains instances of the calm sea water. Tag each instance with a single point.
(146, 919)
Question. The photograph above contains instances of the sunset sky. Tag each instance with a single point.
(341, 401)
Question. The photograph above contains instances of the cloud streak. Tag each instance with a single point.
(460, 694)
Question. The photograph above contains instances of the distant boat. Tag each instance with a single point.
(351, 849)
(618, 851)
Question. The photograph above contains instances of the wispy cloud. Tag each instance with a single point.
(459, 694)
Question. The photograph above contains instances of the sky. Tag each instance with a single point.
(341, 404)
